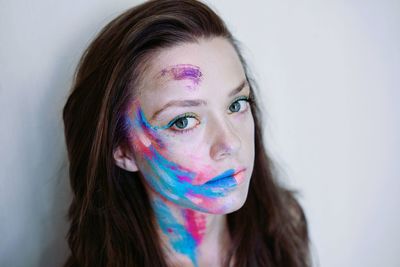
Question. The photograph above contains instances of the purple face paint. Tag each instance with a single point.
(184, 72)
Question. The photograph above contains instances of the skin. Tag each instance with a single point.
(195, 169)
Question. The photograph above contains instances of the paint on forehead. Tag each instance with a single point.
(173, 181)
(184, 72)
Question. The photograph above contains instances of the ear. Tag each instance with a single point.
(124, 159)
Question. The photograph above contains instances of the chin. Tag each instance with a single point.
(227, 204)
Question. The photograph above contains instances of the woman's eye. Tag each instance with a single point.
(184, 123)
(239, 105)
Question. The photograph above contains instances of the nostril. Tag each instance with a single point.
(222, 150)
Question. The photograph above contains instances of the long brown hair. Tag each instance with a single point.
(111, 216)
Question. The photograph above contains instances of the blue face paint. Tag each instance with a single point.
(175, 183)
(179, 237)
(171, 180)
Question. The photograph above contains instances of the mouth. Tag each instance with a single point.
(227, 179)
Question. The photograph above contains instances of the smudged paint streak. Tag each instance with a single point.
(195, 223)
(174, 182)
(176, 178)
(180, 238)
(184, 71)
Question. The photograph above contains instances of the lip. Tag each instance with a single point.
(225, 177)
(240, 176)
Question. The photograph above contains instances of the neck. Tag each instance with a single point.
(190, 237)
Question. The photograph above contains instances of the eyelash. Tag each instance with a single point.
(186, 115)
(247, 99)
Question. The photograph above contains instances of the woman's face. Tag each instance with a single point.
(191, 127)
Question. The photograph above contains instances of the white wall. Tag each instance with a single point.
(329, 73)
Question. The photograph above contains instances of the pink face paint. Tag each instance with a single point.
(195, 223)
(184, 72)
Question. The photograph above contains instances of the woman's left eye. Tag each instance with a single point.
(239, 105)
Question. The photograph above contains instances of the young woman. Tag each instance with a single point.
(167, 161)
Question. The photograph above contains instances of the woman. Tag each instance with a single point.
(167, 161)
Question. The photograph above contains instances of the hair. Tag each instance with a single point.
(111, 219)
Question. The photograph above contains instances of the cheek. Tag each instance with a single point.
(192, 156)
(168, 154)
(250, 131)
(250, 138)
(246, 132)
(189, 150)
(245, 127)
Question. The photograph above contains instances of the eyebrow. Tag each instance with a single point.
(196, 102)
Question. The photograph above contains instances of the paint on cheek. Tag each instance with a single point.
(144, 134)
(168, 178)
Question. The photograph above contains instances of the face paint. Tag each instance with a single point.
(182, 72)
(190, 166)
(184, 238)
(169, 179)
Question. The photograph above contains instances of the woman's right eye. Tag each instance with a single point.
(183, 123)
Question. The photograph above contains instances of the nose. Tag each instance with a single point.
(225, 140)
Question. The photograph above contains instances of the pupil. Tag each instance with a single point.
(235, 106)
(181, 123)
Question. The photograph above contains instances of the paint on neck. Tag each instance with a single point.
(173, 182)
(183, 238)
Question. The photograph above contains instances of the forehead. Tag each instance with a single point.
(206, 63)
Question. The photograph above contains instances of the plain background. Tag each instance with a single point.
(329, 75)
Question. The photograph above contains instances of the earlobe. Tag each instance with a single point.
(125, 160)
